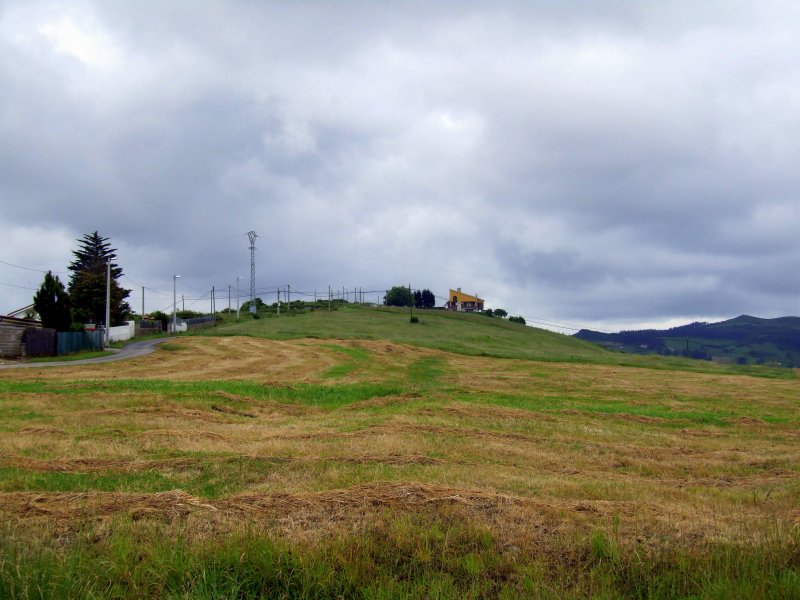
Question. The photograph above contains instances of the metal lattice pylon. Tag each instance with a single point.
(252, 235)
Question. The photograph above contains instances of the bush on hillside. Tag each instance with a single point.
(399, 296)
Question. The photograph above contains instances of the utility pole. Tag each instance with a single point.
(411, 306)
(174, 306)
(237, 296)
(229, 298)
(183, 304)
(142, 302)
(329, 298)
(279, 302)
(108, 302)
(252, 235)
(212, 300)
(288, 298)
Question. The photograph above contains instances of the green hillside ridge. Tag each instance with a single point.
(743, 340)
(462, 333)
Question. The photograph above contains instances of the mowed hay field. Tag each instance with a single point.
(275, 464)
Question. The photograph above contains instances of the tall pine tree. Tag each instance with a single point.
(87, 285)
(52, 303)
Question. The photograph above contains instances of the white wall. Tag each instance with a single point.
(122, 333)
(182, 326)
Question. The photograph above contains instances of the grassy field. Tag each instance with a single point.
(354, 454)
(70, 357)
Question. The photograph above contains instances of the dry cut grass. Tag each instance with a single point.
(234, 430)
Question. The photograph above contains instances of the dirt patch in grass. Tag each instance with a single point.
(68, 507)
(444, 430)
(60, 507)
(390, 459)
(483, 411)
(312, 516)
(40, 430)
(165, 410)
(745, 421)
(619, 416)
(384, 401)
(231, 411)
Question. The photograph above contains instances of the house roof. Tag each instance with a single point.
(462, 297)
(13, 321)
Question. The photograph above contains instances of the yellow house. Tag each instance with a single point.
(462, 302)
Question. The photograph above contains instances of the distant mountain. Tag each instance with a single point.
(743, 340)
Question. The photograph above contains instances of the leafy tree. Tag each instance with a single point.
(519, 320)
(488, 312)
(161, 316)
(52, 303)
(399, 296)
(499, 312)
(246, 305)
(87, 285)
(189, 314)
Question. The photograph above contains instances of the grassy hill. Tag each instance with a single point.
(461, 333)
(743, 340)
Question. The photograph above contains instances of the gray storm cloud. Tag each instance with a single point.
(575, 162)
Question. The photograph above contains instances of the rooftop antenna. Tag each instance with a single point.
(252, 235)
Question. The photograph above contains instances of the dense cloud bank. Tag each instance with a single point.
(603, 167)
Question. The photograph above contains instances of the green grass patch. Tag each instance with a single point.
(170, 347)
(340, 370)
(417, 555)
(207, 392)
(17, 480)
(426, 371)
(70, 357)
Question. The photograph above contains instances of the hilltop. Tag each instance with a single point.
(462, 333)
(743, 340)
(470, 334)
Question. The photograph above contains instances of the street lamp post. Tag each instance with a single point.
(174, 305)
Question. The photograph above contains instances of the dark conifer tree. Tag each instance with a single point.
(417, 299)
(52, 303)
(428, 299)
(87, 285)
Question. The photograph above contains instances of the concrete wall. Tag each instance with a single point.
(182, 326)
(122, 333)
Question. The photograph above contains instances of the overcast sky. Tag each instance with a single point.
(601, 164)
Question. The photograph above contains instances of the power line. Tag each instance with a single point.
(32, 269)
(19, 286)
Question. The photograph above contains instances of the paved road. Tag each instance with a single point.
(130, 351)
